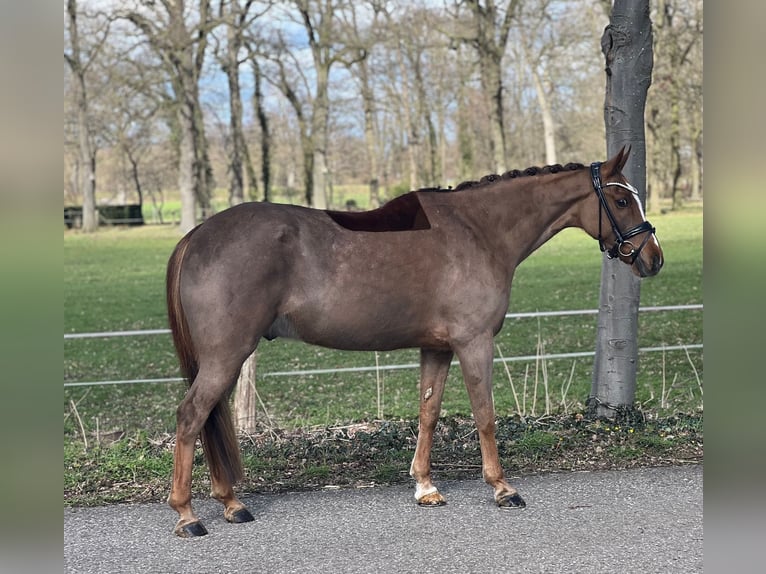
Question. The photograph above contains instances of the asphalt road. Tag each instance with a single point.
(636, 521)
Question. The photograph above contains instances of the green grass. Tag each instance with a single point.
(137, 467)
(114, 280)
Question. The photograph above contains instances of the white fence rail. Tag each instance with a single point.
(107, 334)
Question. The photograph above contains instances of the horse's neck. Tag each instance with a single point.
(518, 216)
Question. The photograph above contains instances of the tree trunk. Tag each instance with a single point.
(413, 140)
(319, 137)
(230, 66)
(87, 180)
(245, 398)
(433, 175)
(263, 123)
(627, 47)
(204, 178)
(493, 89)
(320, 179)
(549, 124)
(696, 191)
(675, 146)
(654, 186)
(240, 163)
(464, 131)
(490, 42)
(134, 174)
(182, 52)
(186, 170)
(370, 133)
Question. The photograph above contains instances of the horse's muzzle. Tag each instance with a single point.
(652, 268)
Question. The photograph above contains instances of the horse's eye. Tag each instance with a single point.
(621, 202)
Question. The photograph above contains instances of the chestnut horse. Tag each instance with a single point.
(430, 269)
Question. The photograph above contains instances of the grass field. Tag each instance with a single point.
(114, 280)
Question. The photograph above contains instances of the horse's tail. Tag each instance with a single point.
(219, 440)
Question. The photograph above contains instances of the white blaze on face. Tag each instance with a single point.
(634, 191)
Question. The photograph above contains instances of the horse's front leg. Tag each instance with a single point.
(476, 363)
(434, 366)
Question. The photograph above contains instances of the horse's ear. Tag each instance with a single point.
(616, 164)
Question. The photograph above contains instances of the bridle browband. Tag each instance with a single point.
(621, 238)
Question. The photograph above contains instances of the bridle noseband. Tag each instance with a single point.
(621, 242)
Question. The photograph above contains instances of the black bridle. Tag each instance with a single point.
(618, 249)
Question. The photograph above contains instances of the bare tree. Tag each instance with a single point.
(678, 33)
(237, 17)
(627, 47)
(289, 80)
(488, 34)
(319, 18)
(540, 37)
(419, 81)
(181, 48)
(259, 109)
(362, 42)
(309, 94)
(129, 113)
(390, 93)
(79, 64)
(414, 140)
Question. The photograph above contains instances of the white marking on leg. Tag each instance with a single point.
(420, 492)
(428, 393)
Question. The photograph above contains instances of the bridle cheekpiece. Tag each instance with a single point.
(622, 247)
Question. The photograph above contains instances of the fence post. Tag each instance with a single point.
(245, 398)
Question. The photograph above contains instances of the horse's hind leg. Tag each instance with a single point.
(204, 409)
(222, 490)
(476, 363)
(434, 366)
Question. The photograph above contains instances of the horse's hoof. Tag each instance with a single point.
(240, 516)
(432, 500)
(511, 501)
(191, 530)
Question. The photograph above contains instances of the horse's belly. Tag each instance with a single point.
(339, 329)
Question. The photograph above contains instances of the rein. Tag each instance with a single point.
(622, 238)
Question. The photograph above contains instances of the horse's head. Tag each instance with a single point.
(619, 222)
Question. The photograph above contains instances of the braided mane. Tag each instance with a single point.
(514, 173)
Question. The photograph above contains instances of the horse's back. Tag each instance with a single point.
(296, 272)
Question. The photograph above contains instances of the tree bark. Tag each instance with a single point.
(317, 21)
(230, 65)
(465, 138)
(696, 140)
(370, 132)
(413, 139)
(627, 47)
(245, 398)
(549, 124)
(87, 152)
(263, 123)
(186, 169)
(133, 160)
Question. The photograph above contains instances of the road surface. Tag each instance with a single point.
(633, 521)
